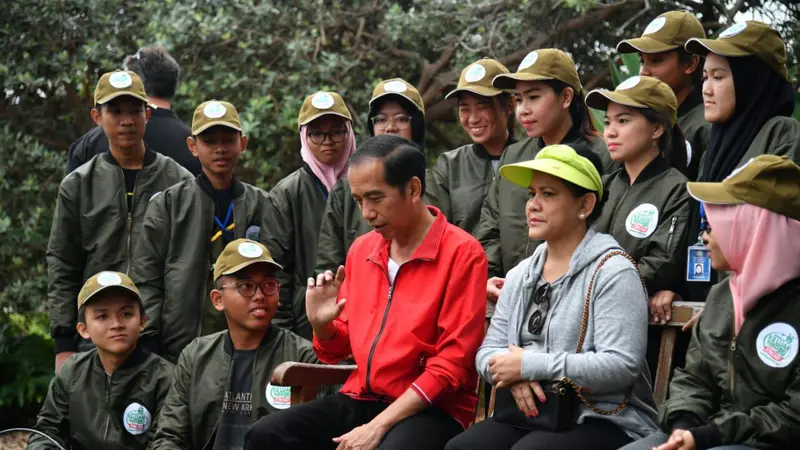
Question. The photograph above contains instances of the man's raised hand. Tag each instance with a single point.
(321, 300)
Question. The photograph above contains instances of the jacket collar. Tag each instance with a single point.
(573, 135)
(695, 98)
(237, 187)
(480, 150)
(227, 347)
(428, 250)
(136, 358)
(149, 157)
(656, 167)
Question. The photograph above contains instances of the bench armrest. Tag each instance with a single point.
(304, 374)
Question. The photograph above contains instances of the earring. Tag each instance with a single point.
(581, 216)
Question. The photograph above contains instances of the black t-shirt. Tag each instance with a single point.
(237, 408)
(130, 183)
(165, 133)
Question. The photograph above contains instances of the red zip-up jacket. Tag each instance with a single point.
(424, 331)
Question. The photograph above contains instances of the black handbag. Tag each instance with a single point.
(564, 396)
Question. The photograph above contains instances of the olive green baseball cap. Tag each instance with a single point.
(560, 161)
(750, 38)
(117, 84)
(638, 92)
(242, 253)
(477, 78)
(666, 32)
(768, 181)
(399, 87)
(215, 113)
(104, 281)
(540, 65)
(320, 104)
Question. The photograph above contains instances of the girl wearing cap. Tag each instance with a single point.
(396, 108)
(297, 201)
(651, 206)
(740, 388)
(662, 56)
(549, 104)
(536, 328)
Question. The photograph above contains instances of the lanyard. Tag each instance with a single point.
(223, 226)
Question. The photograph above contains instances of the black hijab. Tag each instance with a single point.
(761, 94)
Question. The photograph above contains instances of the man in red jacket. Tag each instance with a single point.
(409, 306)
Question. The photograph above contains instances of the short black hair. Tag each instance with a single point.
(82, 309)
(402, 159)
(579, 191)
(158, 70)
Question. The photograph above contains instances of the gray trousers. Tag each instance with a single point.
(654, 440)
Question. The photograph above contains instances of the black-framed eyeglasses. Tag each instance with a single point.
(382, 121)
(248, 288)
(318, 137)
(540, 298)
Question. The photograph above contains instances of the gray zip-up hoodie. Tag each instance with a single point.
(613, 355)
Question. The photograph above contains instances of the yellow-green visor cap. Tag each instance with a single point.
(638, 92)
(750, 38)
(560, 161)
(477, 78)
(666, 32)
(321, 104)
(117, 84)
(399, 87)
(767, 181)
(242, 253)
(215, 113)
(541, 65)
(106, 280)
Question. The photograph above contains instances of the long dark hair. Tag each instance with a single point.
(418, 129)
(578, 110)
(671, 144)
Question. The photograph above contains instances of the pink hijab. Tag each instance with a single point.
(762, 248)
(327, 174)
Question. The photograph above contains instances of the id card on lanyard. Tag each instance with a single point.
(698, 264)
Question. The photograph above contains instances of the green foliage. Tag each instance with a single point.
(26, 359)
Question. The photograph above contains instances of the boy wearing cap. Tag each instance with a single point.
(662, 55)
(101, 205)
(221, 381)
(396, 108)
(110, 396)
(297, 202)
(186, 228)
(740, 386)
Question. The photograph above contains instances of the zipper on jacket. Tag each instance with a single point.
(730, 369)
(129, 255)
(108, 407)
(671, 231)
(380, 331)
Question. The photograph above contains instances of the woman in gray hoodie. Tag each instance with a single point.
(534, 334)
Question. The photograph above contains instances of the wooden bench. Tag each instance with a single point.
(305, 379)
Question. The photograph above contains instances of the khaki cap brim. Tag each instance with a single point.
(712, 193)
(399, 94)
(317, 116)
(245, 264)
(521, 174)
(509, 81)
(717, 46)
(600, 99)
(97, 291)
(479, 90)
(114, 95)
(215, 123)
(644, 44)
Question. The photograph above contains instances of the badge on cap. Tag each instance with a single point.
(733, 30)
(777, 345)
(475, 73)
(109, 279)
(629, 83)
(250, 250)
(120, 80)
(396, 86)
(214, 110)
(279, 397)
(642, 221)
(530, 59)
(322, 100)
(657, 24)
(136, 419)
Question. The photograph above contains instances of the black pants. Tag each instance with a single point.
(313, 425)
(489, 434)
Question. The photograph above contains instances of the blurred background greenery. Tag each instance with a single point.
(265, 57)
